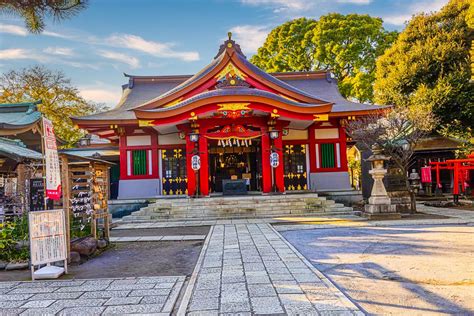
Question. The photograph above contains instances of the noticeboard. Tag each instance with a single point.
(47, 236)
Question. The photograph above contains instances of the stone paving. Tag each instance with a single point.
(157, 238)
(281, 219)
(142, 295)
(251, 269)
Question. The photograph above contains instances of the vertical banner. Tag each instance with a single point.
(53, 173)
(426, 174)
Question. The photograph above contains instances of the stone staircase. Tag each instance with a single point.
(256, 206)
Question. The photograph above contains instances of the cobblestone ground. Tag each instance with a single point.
(145, 295)
(250, 269)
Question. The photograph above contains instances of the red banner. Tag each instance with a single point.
(53, 174)
(426, 174)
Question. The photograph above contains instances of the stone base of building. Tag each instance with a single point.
(139, 189)
(325, 181)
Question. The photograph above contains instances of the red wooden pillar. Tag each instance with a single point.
(204, 171)
(343, 148)
(266, 168)
(190, 172)
(279, 171)
(312, 150)
(123, 157)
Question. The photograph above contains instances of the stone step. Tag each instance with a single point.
(237, 207)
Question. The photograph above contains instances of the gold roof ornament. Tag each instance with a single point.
(233, 106)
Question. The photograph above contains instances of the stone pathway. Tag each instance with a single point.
(157, 238)
(281, 219)
(145, 295)
(251, 269)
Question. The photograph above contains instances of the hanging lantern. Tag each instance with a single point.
(242, 143)
(250, 141)
(219, 143)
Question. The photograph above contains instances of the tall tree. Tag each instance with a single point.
(345, 44)
(288, 47)
(60, 99)
(34, 12)
(349, 45)
(428, 69)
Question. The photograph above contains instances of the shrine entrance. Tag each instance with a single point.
(235, 161)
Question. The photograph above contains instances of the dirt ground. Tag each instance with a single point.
(409, 270)
(166, 231)
(130, 260)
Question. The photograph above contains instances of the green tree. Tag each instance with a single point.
(428, 69)
(60, 99)
(345, 44)
(34, 12)
(288, 47)
(349, 45)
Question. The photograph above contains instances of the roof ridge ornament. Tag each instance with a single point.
(231, 45)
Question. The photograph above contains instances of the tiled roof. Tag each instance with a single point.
(145, 91)
(15, 149)
(326, 88)
(18, 115)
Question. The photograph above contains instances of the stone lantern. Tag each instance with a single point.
(379, 202)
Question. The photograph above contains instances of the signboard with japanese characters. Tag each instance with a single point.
(53, 175)
(196, 162)
(274, 159)
(47, 231)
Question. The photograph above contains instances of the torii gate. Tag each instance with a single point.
(460, 168)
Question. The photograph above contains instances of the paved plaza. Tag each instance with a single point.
(410, 269)
(249, 268)
(147, 295)
(245, 267)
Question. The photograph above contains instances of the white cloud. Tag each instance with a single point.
(61, 51)
(250, 37)
(123, 58)
(20, 53)
(362, 2)
(414, 8)
(157, 49)
(13, 29)
(296, 5)
(107, 95)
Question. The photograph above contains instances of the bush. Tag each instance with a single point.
(13, 240)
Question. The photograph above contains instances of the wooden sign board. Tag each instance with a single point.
(47, 238)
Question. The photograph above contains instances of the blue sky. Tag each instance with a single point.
(157, 37)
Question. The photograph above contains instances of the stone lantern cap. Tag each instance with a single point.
(377, 154)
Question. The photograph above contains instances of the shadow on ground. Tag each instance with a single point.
(416, 270)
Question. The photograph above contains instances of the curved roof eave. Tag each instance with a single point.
(234, 92)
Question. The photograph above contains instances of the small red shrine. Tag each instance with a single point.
(230, 122)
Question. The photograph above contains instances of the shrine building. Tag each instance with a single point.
(230, 126)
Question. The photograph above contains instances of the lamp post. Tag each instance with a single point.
(195, 161)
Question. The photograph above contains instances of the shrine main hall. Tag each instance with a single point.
(231, 127)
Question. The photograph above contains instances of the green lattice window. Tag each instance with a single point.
(327, 156)
(139, 162)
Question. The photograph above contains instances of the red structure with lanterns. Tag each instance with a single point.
(230, 127)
